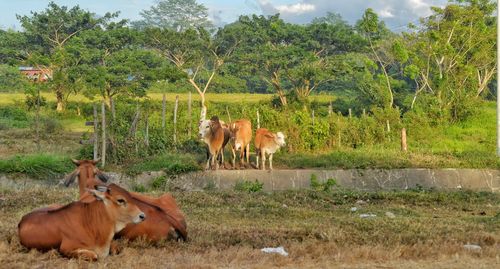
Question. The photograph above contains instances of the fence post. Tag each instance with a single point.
(175, 118)
(228, 115)
(312, 116)
(388, 126)
(330, 108)
(189, 115)
(146, 135)
(404, 147)
(103, 153)
(258, 121)
(364, 112)
(350, 113)
(163, 111)
(96, 141)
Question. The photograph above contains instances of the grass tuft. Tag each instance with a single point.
(38, 166)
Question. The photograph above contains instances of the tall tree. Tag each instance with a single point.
(48, 34)
(375, 32)
(177, 15)
(453, 56)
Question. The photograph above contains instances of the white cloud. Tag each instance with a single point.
(297, 8)
(385, 13)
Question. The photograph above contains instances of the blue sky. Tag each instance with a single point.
(396, 13)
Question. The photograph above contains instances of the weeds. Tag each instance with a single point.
(39, 166)
(249, 186)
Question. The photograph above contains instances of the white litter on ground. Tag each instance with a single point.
(472, 247)
(354, 209)
(364, 216)
(278, 250)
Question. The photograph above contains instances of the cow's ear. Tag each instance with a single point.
(96, 161)
(269, 135)
(103, 177)
(99, 192)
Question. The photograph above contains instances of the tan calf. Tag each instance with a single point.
(267, 142)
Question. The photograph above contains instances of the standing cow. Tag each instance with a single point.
(241, 135)
(212, 133)
(267, 142)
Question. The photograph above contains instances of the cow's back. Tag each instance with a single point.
(260, 138)
(244, 133)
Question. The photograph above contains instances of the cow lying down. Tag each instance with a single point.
(165, 219)
(81, 230)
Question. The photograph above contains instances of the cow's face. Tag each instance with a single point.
(280, 139)
(203, 128)
(119, 204)
(87, 169)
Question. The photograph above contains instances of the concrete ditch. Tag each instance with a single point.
(360, 179)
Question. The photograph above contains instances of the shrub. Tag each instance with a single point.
(249, 186)
(326, 186)
(39, 166)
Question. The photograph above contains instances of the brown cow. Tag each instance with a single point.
(267, 142)
(164, 221)
(212, 134)
(79, 229)
(241, 135)
(202, 126)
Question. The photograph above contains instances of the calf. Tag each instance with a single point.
(241, 135)
(212, 133)
(165, 219)
(267, 142)
(79, 229)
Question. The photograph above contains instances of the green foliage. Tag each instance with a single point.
(14, 117)
(249, 186)
(38, 166)
(325, 186)
(11, 80)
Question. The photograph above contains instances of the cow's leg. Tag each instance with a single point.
(271, 161)
(242, 156)
(114, 249)
(208, 161)
(234, 157)
(216, 162)
(263, 162)
(257, 157)
(69, 250)
(248, 153)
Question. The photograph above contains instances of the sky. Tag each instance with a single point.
(396, 13)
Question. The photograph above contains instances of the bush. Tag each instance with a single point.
(326, 186)
(38, 166)
(249, 186)
(172, 164)
(14, 116)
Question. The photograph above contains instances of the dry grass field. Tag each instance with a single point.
(318, 229)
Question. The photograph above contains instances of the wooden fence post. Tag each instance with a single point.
(103, 124)
(330, 108)
(96, 139)
(258, 121)
(189, 115)
(146, 135)
(228, 115)
(388, 126)
(163, 112)
(175, 118)
(312, 116)
(404, 147)
(364, 112)
(350, 113)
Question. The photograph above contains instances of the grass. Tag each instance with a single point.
(172, 164)
(38, 166)
(318, 229)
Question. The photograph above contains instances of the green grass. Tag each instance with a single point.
(38, 166)
(172, 164)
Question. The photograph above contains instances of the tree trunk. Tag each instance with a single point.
(203, 113)
(60, 100)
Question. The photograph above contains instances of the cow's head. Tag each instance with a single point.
(203, 128)
(86, 170)
(119, 205)
(280, 139)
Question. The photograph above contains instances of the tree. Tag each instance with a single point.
(375, 31)
(48, 34)
(194, 52)
(453, 56)
(177, 15)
